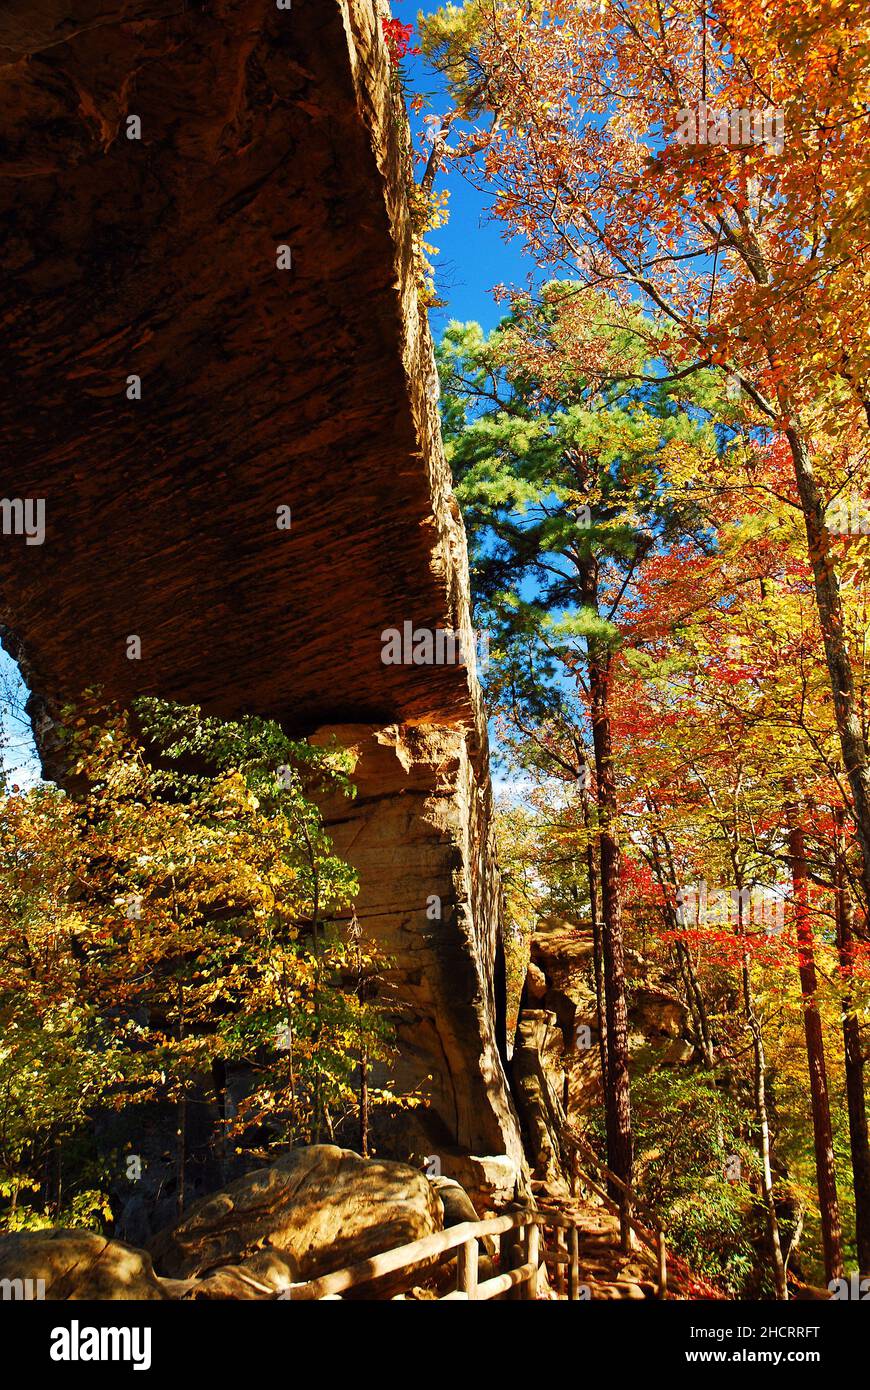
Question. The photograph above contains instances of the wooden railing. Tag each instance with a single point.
(652, 1235)
(517, 1229)
(523, 1247)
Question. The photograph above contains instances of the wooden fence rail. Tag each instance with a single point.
(652, 1235)
(519, 1231)
(421, 1255)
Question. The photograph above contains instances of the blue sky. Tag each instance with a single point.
(16, 737)
(473, 255)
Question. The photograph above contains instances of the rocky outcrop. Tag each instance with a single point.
(656, 1014)
(417, 834)
(562, 956)
(456, 1204)
(315, 1210)
(75, 1265)
(210, 317)
(538, 1066)
(556, 1065)
(311, 388)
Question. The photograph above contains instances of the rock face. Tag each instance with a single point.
(562, 952)
(172, 387)
(539, 1074)
(417, 835)
(260, 387)
(556, 1063)
(659, 1015)
(456, 1204)
(78, 1265)
(314, 1211)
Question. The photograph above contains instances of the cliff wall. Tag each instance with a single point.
(210, 315)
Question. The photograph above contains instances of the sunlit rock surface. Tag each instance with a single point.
(67, 1265)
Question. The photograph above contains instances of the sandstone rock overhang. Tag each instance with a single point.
(310, 388)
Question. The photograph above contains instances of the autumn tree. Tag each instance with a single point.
(711, 163)
(184, 914)
(560, 462)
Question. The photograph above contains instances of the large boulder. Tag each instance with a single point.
(562, 953)
(536, 984)
(538, 1057)
(455, 1201)
(459, 1208)
(315, 1210)
(75, 1265)
(655, 1014)
(489, 1180)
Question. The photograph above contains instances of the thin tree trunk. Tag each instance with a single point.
(700, 1028)
(355, 936)
(694, 994)
(181, 1130)
(691, 988)
(826, 1177)
(291, 1079)
(317, 1097)
(617, 1095)
(597, 958)
(760, 1098)
(859, 1141)
(364, 1101)
(219, 1081)
(777, 1262)
(58, 1178)
(695, 1000)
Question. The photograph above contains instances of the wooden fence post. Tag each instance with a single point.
(561, 1272)
(506, 1261)
(662, 1263)
(533, 1257)
(467, 1269)
(625, 1241)
(573, 1264)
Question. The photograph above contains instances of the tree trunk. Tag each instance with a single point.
(777, 1263)
(219, 1082)
(181, 1112)
(695, 1001)
(826, 1178)
(617, 1095)
(703, 1037)
(364, 1101)
(832, 622)
(58, 1178)
(597, 957)
(859, 1141)
(291, 1075)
